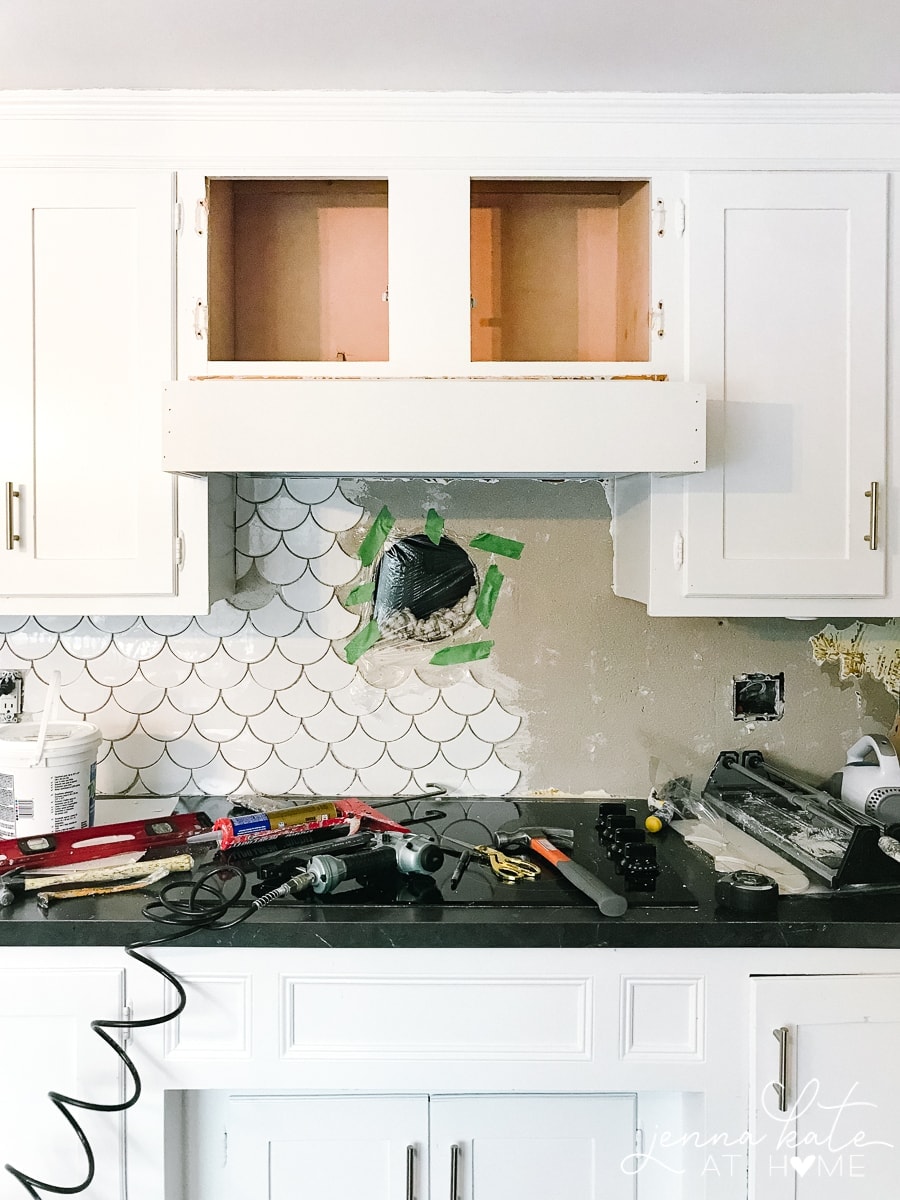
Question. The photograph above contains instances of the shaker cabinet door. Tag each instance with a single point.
(787, 303)
(86, 311)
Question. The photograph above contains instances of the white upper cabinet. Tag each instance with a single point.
(788, 329)
(92, 524)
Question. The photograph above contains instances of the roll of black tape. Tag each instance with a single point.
(749, 893)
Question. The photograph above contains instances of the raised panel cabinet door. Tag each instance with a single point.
(823, 1103)
(787, 304)
(48, 1045)
(339, 1147)
(533, 1147)
(86, 312)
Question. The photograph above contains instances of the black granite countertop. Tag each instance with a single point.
(553, 914)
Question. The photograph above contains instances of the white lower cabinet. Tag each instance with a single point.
(824, 1087)
(45, 1015)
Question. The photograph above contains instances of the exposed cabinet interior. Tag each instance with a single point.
(560, 270)
(298, 270)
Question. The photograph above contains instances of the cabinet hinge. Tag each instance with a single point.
(658, 319)
(658, 217)
(179, 551)
(201, 320)
(201, 212)
(177, 216)
(678, 550)
(224, 1147)
(682, 217)
(126, 1033)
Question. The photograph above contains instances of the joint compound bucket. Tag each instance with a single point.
(47, 784)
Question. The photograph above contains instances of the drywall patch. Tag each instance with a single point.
(862, 649)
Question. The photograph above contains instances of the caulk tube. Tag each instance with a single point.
(231, 830)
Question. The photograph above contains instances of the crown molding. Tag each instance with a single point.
(478, 107)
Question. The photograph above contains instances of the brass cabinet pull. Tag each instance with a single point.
(12, 537)
(410, 1173)
(872, 536)
(781, 1084)
(454, 1173)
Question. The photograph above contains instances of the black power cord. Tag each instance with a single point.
(201, 904)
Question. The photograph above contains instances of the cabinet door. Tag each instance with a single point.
(86, 342)
(48, 1045)
(532, 1147)
(788, 331)
(342, 1147)
(834, 1134)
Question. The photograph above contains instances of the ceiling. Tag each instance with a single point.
(777, 46)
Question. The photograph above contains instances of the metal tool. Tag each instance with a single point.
(506, 868)
(520, 839)
(610, 903)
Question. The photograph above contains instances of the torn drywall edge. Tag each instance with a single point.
(862, 649)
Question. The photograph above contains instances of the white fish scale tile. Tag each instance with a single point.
(330, 673)
(166, 670)
(330, 725)
(337, 513)
(385, 777)
(310, 491)
(35, 702)
(138, 749)
(192, 751)
(248, 646)
(275, 778)
(333, 621)
(386, 723)
(255, 538)
(59, 660)
(85, 640)
(413, 696)
(494, 724)
(493, 778)
(112, 667)
(329, 777)
(218, 778)
(358, 750)
(165, 722)
(139, 642)
(58, 624)
(139, 696)
(276, 620)
(221, 671)
(247, 752)
(467, 696)
(467, 750)
(193, 645)
(258, 488)
(113, 624)
(358, 697)
(302, 699)
(167, 626)
(31, 641)
(164, 777)
(280, 565)
(243, 565)
(12, 662)
(220, 723)
(283, 511)
(223, 620)
(243, 511)
(113, 776)
(439, 773)
(248, 698)
(193, 696)
(309, 540)
(301, 751)
(275, 671)
(334, 567)
(304, 646)
(412, 750)
(440, 723)
(274, 725)
(442, 677)
(11, 624)
(305, 593)
(85, 695)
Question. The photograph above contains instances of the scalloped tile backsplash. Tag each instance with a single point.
(262, 700)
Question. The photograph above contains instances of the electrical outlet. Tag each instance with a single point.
(11, 690)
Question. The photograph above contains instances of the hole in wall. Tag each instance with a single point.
(424, 592)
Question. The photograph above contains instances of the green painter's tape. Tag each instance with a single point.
(363, 641)
(487, 597)
(498, 545)
(471, 652)
(359, 595)
(434, 526)
(376, 537)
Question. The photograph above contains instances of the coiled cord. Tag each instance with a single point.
(200, 904)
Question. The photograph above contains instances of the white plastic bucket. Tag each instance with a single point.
(55, 793)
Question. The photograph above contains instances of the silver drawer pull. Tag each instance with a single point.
(12, 537)
(454, 1173)
(410, 1173)
(872, 536)
(781, 1085)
